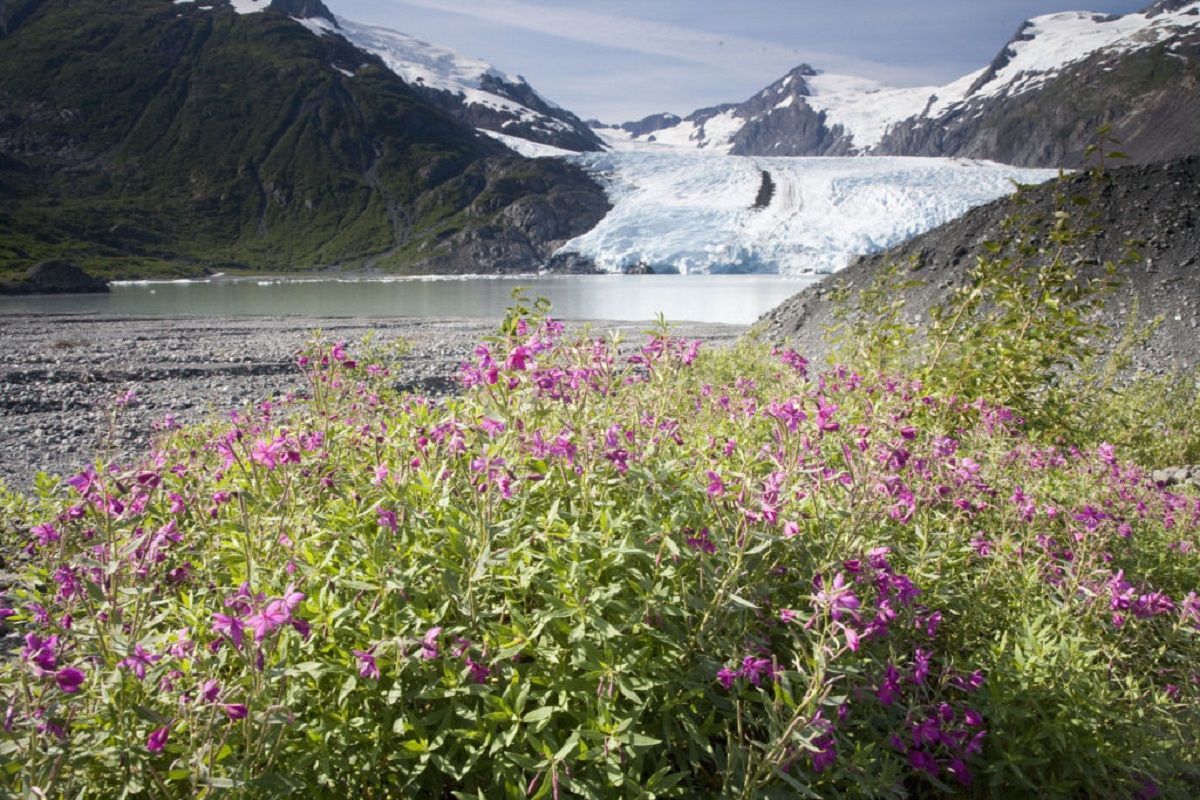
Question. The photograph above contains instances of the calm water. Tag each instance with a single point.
(737, 299)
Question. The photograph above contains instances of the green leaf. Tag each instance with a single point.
(540, 714)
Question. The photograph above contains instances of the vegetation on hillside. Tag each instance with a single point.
(150, 138)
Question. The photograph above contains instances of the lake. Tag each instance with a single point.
(737, 299)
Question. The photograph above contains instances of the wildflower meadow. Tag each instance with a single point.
(605, 571)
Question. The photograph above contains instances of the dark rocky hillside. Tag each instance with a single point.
(1150, 211)
(145, 137)
(1150, 98)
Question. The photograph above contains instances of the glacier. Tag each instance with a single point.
(690, 212)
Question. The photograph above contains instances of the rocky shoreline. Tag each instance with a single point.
(63, 375)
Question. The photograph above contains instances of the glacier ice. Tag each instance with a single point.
(693, 213)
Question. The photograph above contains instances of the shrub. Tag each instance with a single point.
(601, 572)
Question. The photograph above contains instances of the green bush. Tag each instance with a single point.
(607, 572)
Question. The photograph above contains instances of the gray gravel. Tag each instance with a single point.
(60, 374)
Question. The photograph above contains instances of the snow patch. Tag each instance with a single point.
(525, 147)
(249, 6)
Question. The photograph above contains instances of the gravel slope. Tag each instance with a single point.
(60, 375)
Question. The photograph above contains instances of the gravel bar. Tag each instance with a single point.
(61, 374)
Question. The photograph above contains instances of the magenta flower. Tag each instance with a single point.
(381, 474)
(40, 653)
(716, 487)
(367, 667)
(755, 669)
(210, 690)
(236, 711)
(476, 672)
(69, 679)
(727, 676)
(889, 689)
(838, 598)
(45, 533)
(229, 626)
(158, 738)
(825, 754)
(702, 542)
(518, 358)
(429, 644)
(920, 760)
(274, 614)
(387, 519)
(138, 662)
(265, 453)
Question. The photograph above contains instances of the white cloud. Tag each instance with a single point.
(734, 53)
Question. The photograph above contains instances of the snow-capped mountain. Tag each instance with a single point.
(1039, 102)
(469, 89)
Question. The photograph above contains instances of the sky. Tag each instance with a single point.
(619, 60)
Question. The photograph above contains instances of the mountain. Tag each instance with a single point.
(158, 137)
(468, 89)
(1146, 218)
(1040, 102)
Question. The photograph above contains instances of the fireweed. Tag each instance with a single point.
(601, 572)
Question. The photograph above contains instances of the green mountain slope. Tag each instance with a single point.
(146, 137)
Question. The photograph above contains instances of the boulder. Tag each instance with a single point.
(55, 277)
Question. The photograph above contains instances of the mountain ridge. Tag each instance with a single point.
(1039, 102)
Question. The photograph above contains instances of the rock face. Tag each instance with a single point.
(1148, 218)
(55, 277)
(152, 138)
(650, 124)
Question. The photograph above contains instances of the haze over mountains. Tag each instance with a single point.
(173, 136)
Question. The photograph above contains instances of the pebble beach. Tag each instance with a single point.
(80, 387)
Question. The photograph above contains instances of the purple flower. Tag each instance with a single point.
(138, 662)
(825, 754)
(889, 689)
(429, 643)
(210, 690)
(477, 672)
(702, 542)
(265, 453)
(69, 679)
(236, 710)
(716, 487)
(274, 614)
(922, 761)
(726, 676)
(156, 740)
(920, 666)
(40, 653)
(367, 668)
(755, 669)
(229, 626)
(838, 598)
(387, 519)
(45, 533)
